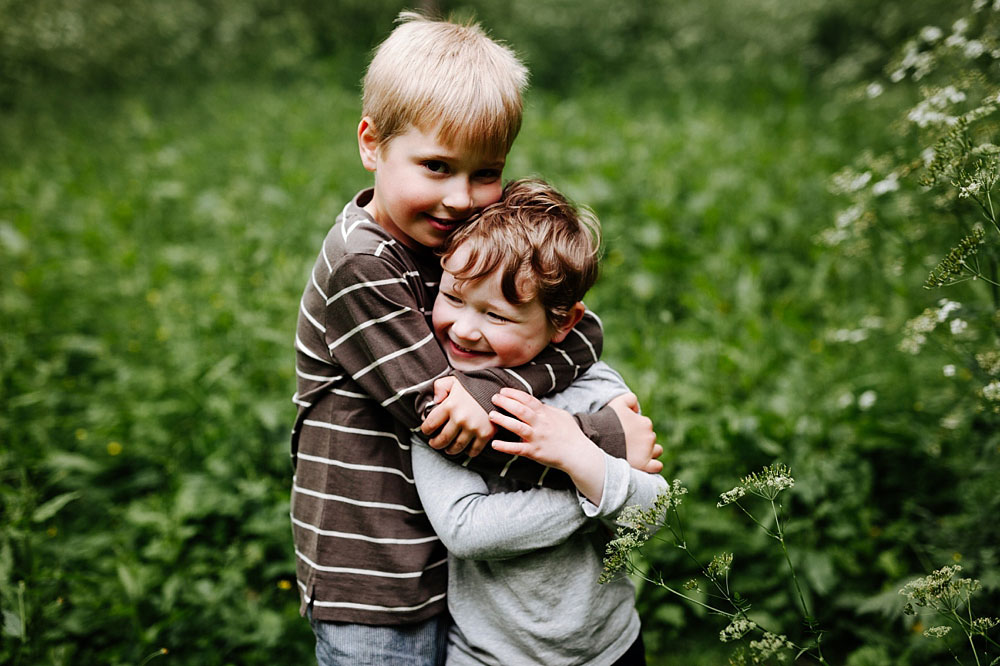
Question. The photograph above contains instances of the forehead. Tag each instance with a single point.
(434, 141)
(488, 287)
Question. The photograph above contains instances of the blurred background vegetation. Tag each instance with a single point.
(169, 170)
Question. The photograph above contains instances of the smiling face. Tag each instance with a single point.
(425, 189)
(479, 328)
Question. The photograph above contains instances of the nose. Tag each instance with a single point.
(459, 196)
(464, 328)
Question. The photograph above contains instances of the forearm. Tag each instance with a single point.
(475, 524)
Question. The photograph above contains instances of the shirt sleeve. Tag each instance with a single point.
(376, 331)
(474, 524)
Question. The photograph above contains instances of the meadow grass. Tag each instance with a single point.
(154, 245)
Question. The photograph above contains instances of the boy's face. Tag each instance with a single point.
(478, 328)
(425, 189)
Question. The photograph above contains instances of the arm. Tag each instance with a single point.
(373, 327)
(474, 524)
(553, 370)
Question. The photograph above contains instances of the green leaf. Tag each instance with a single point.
(12, 625)
(54, 506)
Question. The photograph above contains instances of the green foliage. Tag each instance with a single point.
(156, 227)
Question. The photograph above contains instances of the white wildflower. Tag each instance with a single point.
(889, 184)
(937, 632)
(948, 370)
(731, 496)
(866, 400)
(967, 191)
(850, 215)
(958, 326)
(874, 90)
(931, 33)
(973, 49)
(738, 628)
(845, 400)
(991, 391)
(946, 307)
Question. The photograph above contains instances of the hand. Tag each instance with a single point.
(641, 449)
(552, 437)
(461, 424)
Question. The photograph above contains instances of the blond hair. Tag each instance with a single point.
(451, 76)
(540, 244)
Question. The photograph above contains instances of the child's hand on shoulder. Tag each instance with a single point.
(641, 449)
(460, 422)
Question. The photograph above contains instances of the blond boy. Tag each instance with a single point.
(524, 561)
(441, 107)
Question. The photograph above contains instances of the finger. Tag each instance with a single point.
(510, 448)
(437, 418)
(519, 428)
(632, 402)
(445, 437)
(520, 396)
(653, 467)
(477, 446)
(518, 408)
(442, 387)
(657, 451)
(459, 443)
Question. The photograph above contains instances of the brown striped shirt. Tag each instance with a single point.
(366, 361)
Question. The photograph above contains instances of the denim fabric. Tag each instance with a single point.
(344, 644)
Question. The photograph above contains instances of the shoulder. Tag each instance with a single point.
(590, 391)
(357, 250)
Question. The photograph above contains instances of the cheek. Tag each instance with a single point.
(488, 194)
(439, 317)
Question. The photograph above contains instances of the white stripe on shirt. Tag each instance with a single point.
(364, 325)
(356, 431)
(354, 502)
(360, 468)
(389, 357)
(362, 537)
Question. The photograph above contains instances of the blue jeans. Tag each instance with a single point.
(344, 644)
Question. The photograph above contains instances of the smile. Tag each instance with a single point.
(441, 224)
(459, 350)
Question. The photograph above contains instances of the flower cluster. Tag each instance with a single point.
(769, 481)
(983, 624)
(770, 645)
(720, 565)
(940, 590)
(737, 629)
(955, 264)
(937, 632)
(916, 330)
(635, 526)
(731, 496)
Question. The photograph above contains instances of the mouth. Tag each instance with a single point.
(464, 352)
(442, 224)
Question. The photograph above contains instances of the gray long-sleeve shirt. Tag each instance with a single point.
(524, 561)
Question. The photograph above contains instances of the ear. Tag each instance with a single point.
(573, 318)
(368, 144)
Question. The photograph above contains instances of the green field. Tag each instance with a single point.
(155, 236)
